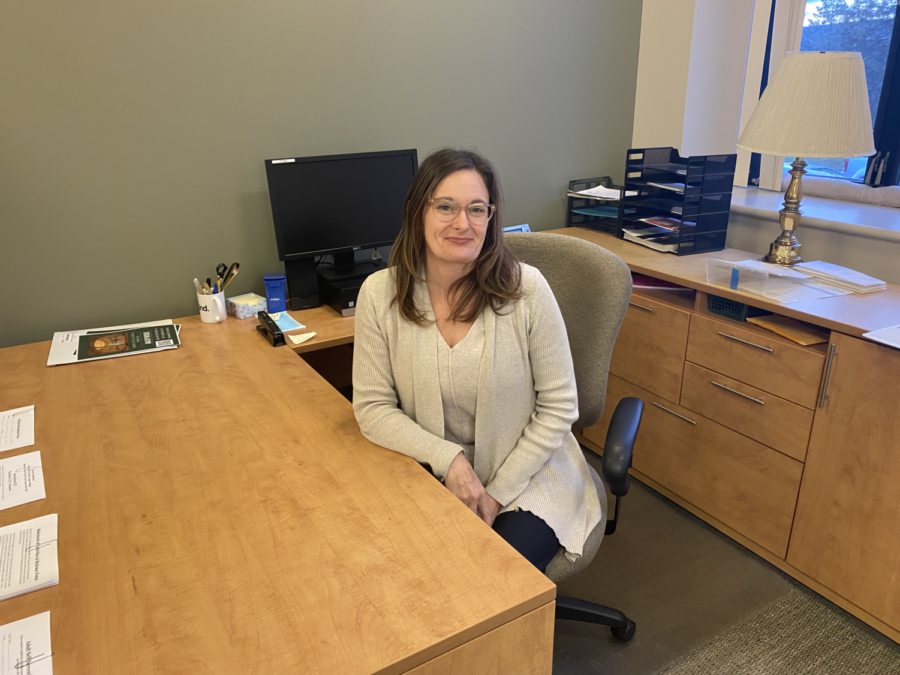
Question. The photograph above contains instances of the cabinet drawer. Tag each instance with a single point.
(742, 483)
(650, 348)
(768, 419)
(789, 371)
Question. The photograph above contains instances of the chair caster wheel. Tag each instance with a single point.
(624, 634)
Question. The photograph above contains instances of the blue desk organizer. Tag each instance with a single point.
(276, 292)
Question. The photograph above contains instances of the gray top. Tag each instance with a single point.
(458, 373)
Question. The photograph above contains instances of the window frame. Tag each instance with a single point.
(785, 31)
(884, 166)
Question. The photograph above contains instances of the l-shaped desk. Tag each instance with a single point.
(219, 511)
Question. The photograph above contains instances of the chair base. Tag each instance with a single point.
(573, 609)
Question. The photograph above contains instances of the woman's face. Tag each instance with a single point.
(458, 241)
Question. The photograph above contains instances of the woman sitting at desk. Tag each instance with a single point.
(462, 362)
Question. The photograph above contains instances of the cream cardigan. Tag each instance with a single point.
(526, 455)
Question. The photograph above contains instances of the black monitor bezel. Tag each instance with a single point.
(269, 163)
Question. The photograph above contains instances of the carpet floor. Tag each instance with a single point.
(801, 634)
(704, 604)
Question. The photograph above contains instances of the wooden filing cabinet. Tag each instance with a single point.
(794, 451)
(735, 479)
(847, 528)
(771, 420)
(757, 357)
(731, 431)
(650, 350)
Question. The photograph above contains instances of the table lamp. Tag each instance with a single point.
(816, 106)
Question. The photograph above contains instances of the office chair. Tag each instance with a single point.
(592, 287)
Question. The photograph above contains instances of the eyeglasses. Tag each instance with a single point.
(447, 210)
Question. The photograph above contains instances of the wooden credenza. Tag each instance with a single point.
(792, 451)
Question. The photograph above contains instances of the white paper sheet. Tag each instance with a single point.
(822, 268)
(832, 291)
(25, 646)
(889, 336)
(789, 291)
(28, 556)
(17, 428)
(674, 187)
(601, 192)
(21, 480)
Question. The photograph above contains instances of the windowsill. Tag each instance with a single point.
(861, 220)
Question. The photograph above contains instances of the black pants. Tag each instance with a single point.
(529, 535)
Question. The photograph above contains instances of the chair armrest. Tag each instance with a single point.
(617, 451)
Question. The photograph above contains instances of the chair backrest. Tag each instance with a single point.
(592, 287)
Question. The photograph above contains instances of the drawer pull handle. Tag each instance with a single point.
(735, 391)
(646, 309)
(745, 342)
(831, 352)
(672, 412)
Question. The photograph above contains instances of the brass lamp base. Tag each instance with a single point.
(785, 250)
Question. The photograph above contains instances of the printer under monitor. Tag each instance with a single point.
(340, 292)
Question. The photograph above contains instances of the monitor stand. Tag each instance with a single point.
(345, 267)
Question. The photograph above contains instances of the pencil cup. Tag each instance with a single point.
(212, 308)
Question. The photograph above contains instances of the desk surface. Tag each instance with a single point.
(851, 314)
(331, 329)
(219, 511)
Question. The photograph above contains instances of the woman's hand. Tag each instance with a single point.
(488, 508)
(463, 482)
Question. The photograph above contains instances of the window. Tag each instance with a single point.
(872, 28)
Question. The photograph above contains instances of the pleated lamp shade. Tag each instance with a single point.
(816, 106)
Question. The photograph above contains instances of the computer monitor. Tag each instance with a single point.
(338, 203)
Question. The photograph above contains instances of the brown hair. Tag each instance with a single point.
(495, 278)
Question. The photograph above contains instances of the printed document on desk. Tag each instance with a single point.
(64, 347)
(25, 646)
(17, 428)
(28, 556)
(21, 480)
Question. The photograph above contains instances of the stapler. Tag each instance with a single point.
(270, 329)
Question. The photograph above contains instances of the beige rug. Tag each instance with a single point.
(801, 634)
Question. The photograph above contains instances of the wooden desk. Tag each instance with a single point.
(219, 511)
(849, 314)
(331, 329)
(744, 428)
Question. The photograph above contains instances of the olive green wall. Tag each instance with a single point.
(132, 135)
